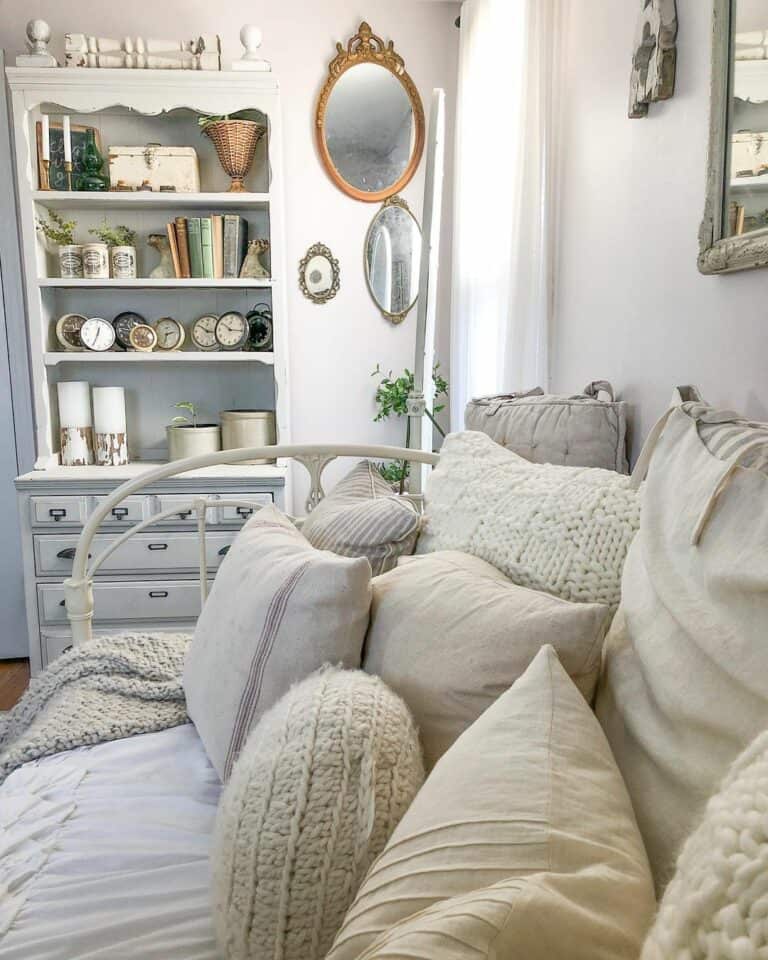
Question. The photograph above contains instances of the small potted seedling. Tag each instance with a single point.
(121, 241)
(59, 235)
(187, 437)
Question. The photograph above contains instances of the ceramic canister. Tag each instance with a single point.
(248, 428)
(95, 261)
(71, 261)
(124, 263)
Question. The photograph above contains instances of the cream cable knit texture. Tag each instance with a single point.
(320, 785)
(564, 530)
(716, 906)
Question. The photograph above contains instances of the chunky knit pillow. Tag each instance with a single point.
(362, 517)
(564, 530)
(319, 787)
(716, 904)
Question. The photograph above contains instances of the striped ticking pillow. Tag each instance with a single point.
(278, 610)
(362, 517)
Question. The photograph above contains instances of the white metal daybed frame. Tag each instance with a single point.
(78, 589)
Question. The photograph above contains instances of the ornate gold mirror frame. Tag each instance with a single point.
(366, 47)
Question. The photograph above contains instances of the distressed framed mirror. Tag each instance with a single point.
(369, 119)
(734, 231)
(393, 258)
(319, 274)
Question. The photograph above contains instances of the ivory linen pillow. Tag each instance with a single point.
(522, 843)
(362, 517)
(450, 634)
(278, 610)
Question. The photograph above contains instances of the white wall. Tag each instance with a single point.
(631, 305)
(335, 347)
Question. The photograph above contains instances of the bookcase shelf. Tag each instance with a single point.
(148, 283)
(144, 200)
(55, 357)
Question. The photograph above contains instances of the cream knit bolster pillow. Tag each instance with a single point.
(319, 787)
(564, 530)
(717, 902)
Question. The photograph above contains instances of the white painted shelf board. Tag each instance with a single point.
(55, 357)
(148, 283)
(256, 471)
(750, 183)
(143, 200)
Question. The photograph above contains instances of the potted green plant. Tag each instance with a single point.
(59, 237)
(392, 401)
(234, 135)
(189, 438)
(121, 241)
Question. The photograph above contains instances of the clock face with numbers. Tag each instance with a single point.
(170, 334)
(68, 330)
(123, 324)
(143, 337)
(97, 334)
(232, 331)
(204, 332)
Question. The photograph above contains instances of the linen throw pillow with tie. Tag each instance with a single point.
(278, 610)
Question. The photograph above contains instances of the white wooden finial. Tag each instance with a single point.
(38, 35)
(251, 37)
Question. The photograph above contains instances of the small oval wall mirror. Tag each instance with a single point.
(393, 259)
(370, 119)
(319, 276)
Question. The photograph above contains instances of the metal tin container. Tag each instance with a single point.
(248, 428)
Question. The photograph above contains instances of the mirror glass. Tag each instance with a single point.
(392, 259)
(369, 128)
(746, 168)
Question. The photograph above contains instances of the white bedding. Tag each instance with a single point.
(104, 852)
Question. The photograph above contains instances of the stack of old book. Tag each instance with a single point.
(211, 248)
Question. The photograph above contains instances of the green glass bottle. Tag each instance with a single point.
(90, 177)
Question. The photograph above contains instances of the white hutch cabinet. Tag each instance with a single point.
(151, 581)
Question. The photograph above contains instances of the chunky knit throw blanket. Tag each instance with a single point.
(107, 689)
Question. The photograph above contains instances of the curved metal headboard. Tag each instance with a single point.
(78, 589)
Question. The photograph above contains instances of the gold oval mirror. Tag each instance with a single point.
(370, 119)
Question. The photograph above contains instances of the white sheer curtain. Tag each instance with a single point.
(504, 204)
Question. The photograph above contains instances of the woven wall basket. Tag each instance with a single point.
(235, 142)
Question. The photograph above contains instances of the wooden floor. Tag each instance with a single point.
(14, 677)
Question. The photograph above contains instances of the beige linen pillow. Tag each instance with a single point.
(278, 610)
(716, 903)
(527, 819)
(683, 689)
(450, 634)
(362, 517)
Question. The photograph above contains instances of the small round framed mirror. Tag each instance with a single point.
(393, 259)
(319, 275)
(370, 119)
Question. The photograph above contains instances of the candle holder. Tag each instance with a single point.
(68, 171)
(75, 424)
(109, 426)
(46, 182)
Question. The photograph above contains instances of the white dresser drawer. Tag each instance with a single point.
(139, 601)
(62, 510)
(152, 552)
(54, 645)
(130, 510)
(241, 514)
(186, 515)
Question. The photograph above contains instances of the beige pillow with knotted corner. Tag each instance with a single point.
(450, 633)
(522, 843)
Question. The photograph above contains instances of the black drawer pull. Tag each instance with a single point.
(157, 546)
(119, 512)
(158, 594)
(58, 513)
(62, 603)
(68, 553)
(67, 648)
(224, 551)
(245, 512)
(185, 514)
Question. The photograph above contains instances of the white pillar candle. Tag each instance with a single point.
(46, 137)
(109, 409)
(67, 141)
(74, 404)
